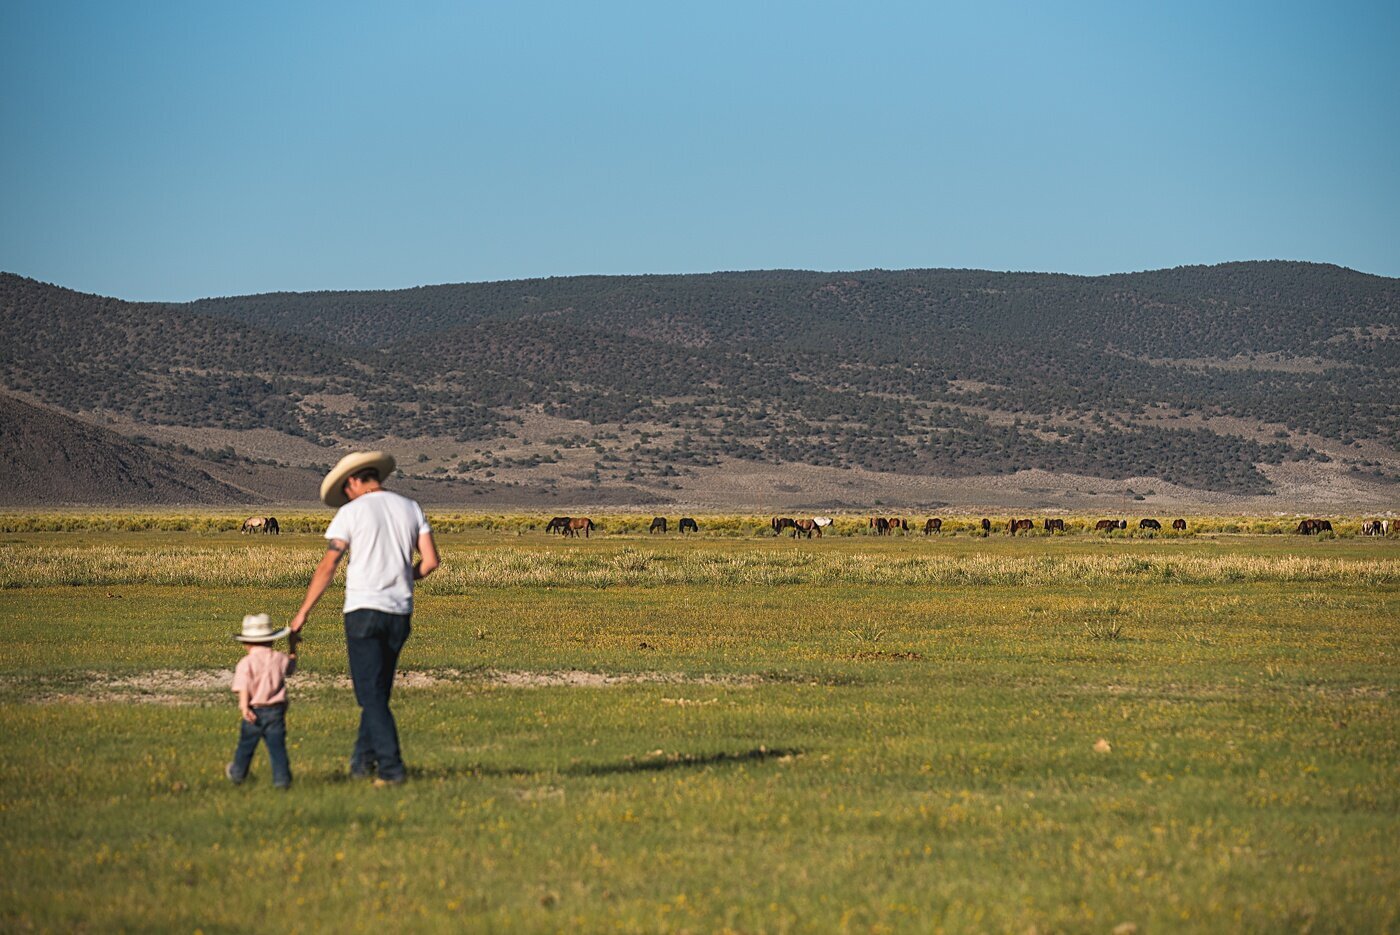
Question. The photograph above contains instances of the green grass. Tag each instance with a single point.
(838, 745)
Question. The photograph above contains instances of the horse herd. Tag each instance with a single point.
(1370, 527)
(262, 524)
(800, 527)
(883, 526)
(879, 525)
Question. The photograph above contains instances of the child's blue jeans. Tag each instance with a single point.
(271, 728)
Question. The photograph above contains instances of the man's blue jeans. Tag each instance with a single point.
(271, 728)
(373, 640)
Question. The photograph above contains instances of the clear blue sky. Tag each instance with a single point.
(170, 150)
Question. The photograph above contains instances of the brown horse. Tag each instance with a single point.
(1054, 525)
(897, 523)
(688, 525)
(807, 527)
(658, 524)
(572, 527)
(1179, 525)
(933, 525)
(1106, 524)
(1020, 525)
(880, 525)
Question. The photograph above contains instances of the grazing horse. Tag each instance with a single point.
(272, 527)
(1106, 524)
(254, 524)
(1375, 527)
(986, 525)
(558, 524)
(1179, 525)
(897, 523)
(1052, 525)
(780, 523)
(1311, 527)
(574, 524)
(688, 525)
(880, 525)
(1149, 524)
(807, 527)
(658, 524)
(822, 521)
(1017, 525)
(933, 525)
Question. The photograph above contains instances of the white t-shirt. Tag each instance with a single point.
(382, 529)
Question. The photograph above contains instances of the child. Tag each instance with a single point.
(260, 681)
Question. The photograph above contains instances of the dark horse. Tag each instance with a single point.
(1149, 524)
(779, 523)
(1311, 527)
(1179, 525)
(933, 525)
(880, 525)
(1054, 525)
(1106, 524)
(557, 524)
(986, 525)
(688, 525)
(658, 524)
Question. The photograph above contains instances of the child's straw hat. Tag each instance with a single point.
(258, 628)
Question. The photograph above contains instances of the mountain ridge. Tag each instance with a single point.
(667, 378)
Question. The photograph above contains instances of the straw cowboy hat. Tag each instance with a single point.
(258, 628)
(331, 493)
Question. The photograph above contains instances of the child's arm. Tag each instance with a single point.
(292, 654)
(245, 708)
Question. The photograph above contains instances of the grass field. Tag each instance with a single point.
(640, 734)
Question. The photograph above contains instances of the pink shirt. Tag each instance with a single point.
(263, 672)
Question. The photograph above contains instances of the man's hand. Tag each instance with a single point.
(429, 562)
(298, 621)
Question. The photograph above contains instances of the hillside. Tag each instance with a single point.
(1242, 379)
(50, 458)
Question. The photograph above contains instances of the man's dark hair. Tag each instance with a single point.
(363, 474)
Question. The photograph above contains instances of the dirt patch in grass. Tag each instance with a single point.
(208, 686)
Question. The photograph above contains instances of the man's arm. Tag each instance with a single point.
(429, 563)
(320, 580)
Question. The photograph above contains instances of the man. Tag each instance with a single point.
(381, 530)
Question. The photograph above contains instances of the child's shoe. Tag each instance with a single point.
(233, 777)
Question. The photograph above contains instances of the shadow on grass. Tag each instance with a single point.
(641, 764)
(676, 761)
